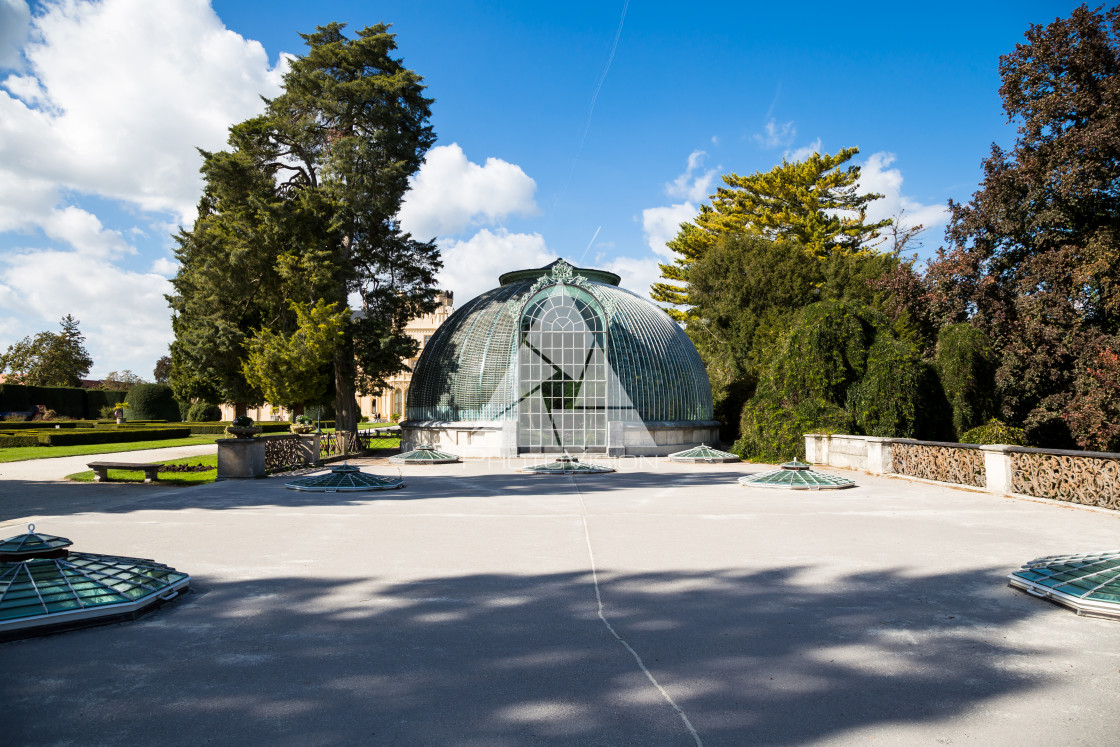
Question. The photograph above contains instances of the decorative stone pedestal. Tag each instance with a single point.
(240, 458)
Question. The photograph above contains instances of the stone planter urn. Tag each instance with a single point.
(242, 431)
(301, 428)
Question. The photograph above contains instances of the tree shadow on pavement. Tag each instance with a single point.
(501, 659)
(28, 499)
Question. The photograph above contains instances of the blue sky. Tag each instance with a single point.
(586, 130)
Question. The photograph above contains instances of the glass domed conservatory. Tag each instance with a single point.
(559, 359)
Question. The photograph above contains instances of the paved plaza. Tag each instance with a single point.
(660, 605)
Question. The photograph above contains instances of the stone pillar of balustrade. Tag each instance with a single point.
(816, 448)
(997, 468)
(880, 459)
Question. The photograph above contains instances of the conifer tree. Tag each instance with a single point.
(302, 210)
(814, 203)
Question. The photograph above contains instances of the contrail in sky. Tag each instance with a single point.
(603, 77)
(594, 98)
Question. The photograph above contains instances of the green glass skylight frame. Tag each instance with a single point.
(1087, 583)
(703, 454)
(796, 475)
(567, 465)
(345, 479)
(424, 454)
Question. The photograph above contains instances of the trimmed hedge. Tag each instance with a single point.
(42, 425)
(152, 402)
(86, 438)
(73, 402)
(10, 440)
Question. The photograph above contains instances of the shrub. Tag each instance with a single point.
(994, 432)
(884, 402)
(243, 421)
(966, 366)
(204, 412)
(152, 402)
(773, 433)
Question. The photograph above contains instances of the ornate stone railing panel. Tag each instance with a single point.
(1086, 480)
(284, 452)
(955, 464)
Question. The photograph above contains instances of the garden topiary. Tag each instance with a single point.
(152, 402)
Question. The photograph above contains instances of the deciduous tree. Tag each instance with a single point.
(50, 358)
(1034, 256)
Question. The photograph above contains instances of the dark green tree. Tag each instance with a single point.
(966, 366)
(1034, 256)
(302, 209)
(50, 358)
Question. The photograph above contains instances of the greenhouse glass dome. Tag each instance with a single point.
(559, 359)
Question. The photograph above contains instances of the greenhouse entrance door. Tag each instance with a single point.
(562, 371)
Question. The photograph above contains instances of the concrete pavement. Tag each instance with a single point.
(663, 604)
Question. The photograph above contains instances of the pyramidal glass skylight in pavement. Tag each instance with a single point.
(345, 478)
(796, 475)
(1088, 583)
(45, 587)
(424, 454)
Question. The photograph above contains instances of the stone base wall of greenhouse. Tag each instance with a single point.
(1090, 478)
(500, 439)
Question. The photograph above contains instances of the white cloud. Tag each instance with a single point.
(123, 314)
(450, 194)
(775, 135)
(472, 267)
(15, 18)
(692, 185)
(661, 224)
(165, 267)
(83, 231)
(800, 154)
(638, 273)
(875, 176)
(117, 95)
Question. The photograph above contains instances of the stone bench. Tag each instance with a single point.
(101, 470)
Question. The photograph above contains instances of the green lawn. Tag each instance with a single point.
(172, 478)
(19, 453)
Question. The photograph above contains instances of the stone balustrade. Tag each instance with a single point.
(1090, 478)
(255, 457)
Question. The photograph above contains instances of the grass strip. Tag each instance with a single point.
(20, 453)
(171, 478)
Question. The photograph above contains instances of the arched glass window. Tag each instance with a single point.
(562, 372)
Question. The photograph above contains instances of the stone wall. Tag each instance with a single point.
(1090, 478)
